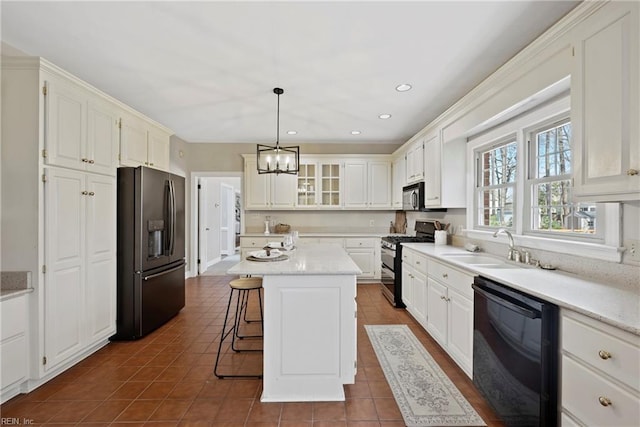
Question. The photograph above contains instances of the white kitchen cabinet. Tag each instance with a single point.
(143, 144)
(415, 161)
(414, 282)
(81, 130)
(450, 312)
(367, 184)
(600, 373)
(444, 166)
(13, 345)
(268, 191)
(80, 262)
(398, 180)
(59, 213)
(331, 181)
(365, 252)
(605, 105)
(307, 185)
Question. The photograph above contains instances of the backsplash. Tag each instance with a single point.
(376, 222)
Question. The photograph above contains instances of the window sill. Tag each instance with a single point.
(583, 249)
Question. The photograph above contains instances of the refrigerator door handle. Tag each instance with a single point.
(153, 276)
(172, 235)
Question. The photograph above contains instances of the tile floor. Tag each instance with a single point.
(166, 378)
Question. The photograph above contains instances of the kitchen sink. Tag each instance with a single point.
(477, 259)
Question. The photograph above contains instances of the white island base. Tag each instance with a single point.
(309, 324)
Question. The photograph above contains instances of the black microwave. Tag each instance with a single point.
(413, 197)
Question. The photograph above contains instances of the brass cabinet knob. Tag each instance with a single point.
(91, 193)
(445, 275)
(633, 172)
(91, 161)
(604, 355)
(441, 296)
(84, 193)
(85, 160)
(604, 401)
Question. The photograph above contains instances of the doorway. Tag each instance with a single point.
(216, 220)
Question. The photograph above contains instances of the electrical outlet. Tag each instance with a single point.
(371, 223)
(633, 250)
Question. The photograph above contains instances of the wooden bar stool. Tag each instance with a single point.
(242, 288)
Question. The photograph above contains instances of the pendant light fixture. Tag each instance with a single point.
(277, 159)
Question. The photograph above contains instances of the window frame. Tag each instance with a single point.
(604, 247)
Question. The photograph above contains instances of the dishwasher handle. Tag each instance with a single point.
(508, 302)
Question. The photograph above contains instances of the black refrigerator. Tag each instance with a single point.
(151, 250)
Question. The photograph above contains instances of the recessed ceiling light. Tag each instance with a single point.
(355, 132)
(384, 116)
(291, 132)
(403, 87)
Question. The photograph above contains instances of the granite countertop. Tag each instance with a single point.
(14, 284)
(306, 259)
(616, 306)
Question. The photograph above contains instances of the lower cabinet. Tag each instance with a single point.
(600, 373)
(80, 261)
(414, 284)
(13, 345)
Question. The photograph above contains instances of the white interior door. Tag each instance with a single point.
(213, 221)
(227, 219)
(202, 225)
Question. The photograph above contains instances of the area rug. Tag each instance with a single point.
(425, 395)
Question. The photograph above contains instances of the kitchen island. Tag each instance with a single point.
(309, 323)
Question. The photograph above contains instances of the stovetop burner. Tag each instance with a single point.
(406, 239)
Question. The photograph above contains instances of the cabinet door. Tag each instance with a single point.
(407, 285)
(605, 112)
(437, 309)
(158, 144)
(283, 191)
(307, 185)
(65, 198)
(355, 184)
(364, 259)
(460, 332)
(399, 180)
(66, 118)
(432, 170)
(133, 142)
(419, 293)
(415, 162)
(102, 138)
(256, 187)
(331, 184)
(379, 185)
(101, 258)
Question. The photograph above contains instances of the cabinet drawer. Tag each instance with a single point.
(451, 277)
(14, 315)
(419, 262)
(14, 360)
(582, 390)
(257, 242)
(594, 343)
(359, 243)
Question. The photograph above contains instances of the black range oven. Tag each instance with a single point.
(391, 250)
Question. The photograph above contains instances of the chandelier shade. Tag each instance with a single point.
(277, 159)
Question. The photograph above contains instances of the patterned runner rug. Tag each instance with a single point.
(425, 395)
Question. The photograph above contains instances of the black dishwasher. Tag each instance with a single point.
(515, 354)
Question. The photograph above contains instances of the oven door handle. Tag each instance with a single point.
(508, 302)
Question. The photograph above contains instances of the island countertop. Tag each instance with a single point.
(305, 259)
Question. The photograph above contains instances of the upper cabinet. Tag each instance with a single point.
(444, 168)
(143, 144)
(367, 184)
(81, 130)
(605, 111)
(398, 180)
(415, 161)
(267, 191)
(323, 182)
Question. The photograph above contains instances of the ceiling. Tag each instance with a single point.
(207, 69)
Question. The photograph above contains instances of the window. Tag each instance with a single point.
(550, 184)
(497, 169)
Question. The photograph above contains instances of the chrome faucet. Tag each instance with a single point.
(513, 254)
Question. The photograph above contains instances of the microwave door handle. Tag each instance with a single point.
(414, 200)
